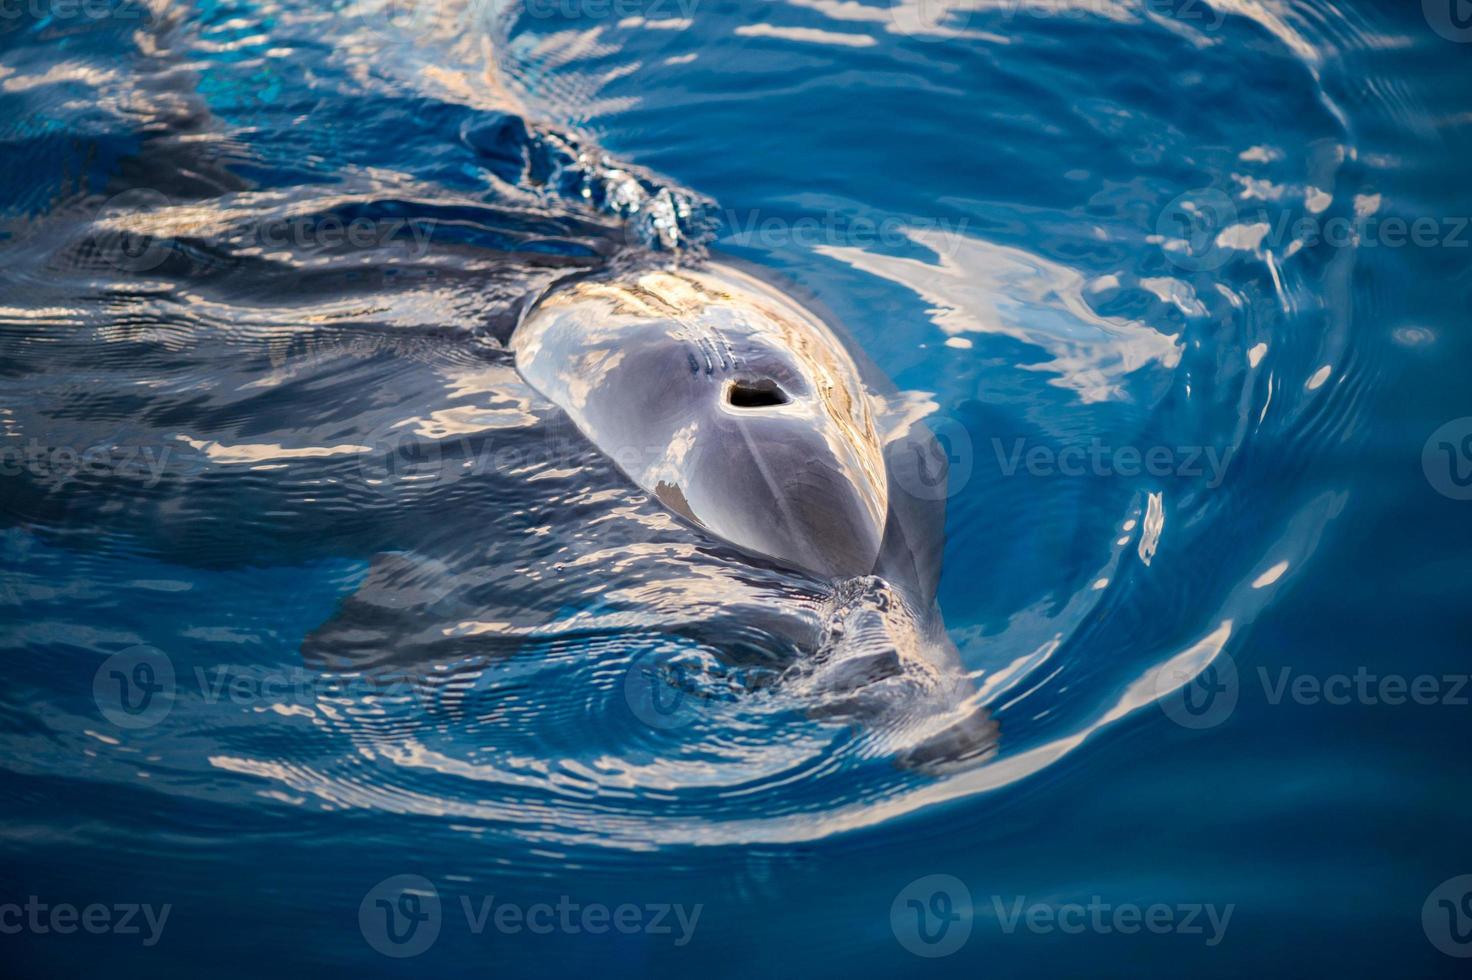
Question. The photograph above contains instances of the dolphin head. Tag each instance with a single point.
(733, 406)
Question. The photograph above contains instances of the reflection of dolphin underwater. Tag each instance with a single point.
(743, 413)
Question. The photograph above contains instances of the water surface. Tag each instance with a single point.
(305, 590)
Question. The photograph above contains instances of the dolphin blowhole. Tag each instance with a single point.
(758, 393)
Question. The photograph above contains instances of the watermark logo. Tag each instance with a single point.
(932, 916)
(1446, 459)
(658, 690)
(398, 458)
(135, 688)
(1452, 19)
(1446, 916)
(929, 20)
(123, 237)
(1199, 699)
(400, 916)
(935, 469)
(1198, 12)
(1189, 228)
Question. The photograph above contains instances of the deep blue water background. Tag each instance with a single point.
(1026, 169)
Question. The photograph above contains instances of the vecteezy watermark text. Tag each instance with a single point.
(1209, 698)
(72, 10)
(63, 919)
(610, 9)
(331, 231)
(933, 916)
(1198, 12)
(403, 915)
(138, 687)
(1201, 230)
(569, 918)
(938, 20)
(133, 231)
(1363, 687)
(59, 464)
(835, 229)
(1103, 460)
(1103, 918)
(400, 18)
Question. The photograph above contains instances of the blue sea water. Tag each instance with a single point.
(327, 639)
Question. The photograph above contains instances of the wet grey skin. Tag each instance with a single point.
(733, 407)
(743, 413)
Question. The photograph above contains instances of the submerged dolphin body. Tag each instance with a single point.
(742, 412)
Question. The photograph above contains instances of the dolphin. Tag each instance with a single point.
(741, 411)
